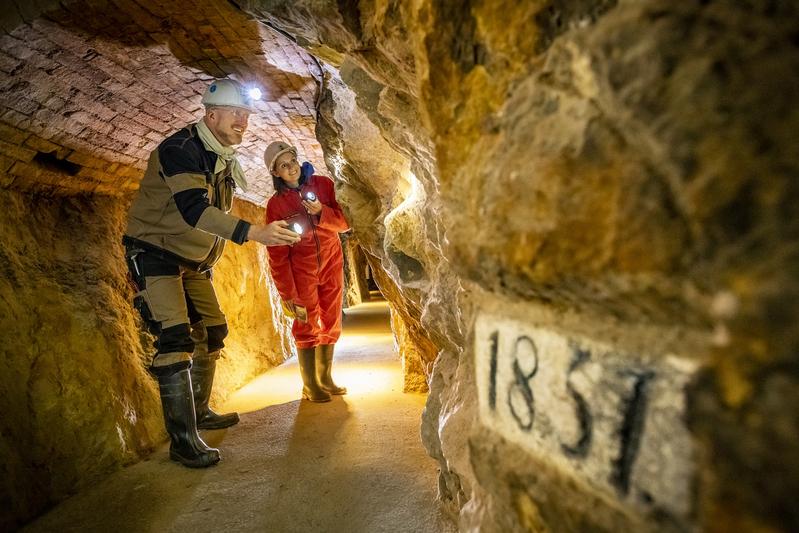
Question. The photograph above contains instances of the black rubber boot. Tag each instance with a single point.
(310, 388)
(177, 400)
(202, 379)
(324, 369)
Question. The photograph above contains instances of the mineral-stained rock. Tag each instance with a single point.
(77, 400)
(260, 335)
(355, 277)
(614, 183)
(583, 215)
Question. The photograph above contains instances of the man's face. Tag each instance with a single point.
(228, 124)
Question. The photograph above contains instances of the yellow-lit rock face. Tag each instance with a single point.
(259, 336)
(88, 91)
(355, 280)
(603, 260)
(77, 401)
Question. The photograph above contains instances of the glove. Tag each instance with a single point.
(288, 309)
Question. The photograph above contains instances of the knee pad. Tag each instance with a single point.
(175, 339)
(216, 336)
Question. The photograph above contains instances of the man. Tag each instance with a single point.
(177, 228)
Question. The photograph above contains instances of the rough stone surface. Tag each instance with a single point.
(356, 285)
(612, 174)
(76, 399)
(359, 458)
(260, 334)
(88, 90)
(384, 212)
(611, 177)
(417, 352)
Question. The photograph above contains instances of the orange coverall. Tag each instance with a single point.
(310, 273)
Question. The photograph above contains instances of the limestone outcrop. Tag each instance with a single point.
(598, 243)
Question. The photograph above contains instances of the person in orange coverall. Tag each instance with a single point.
(309, 275)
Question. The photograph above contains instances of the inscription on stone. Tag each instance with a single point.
(613, 419)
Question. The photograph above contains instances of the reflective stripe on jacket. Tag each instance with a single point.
(182, 207)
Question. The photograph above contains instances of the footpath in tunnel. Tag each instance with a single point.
(355, 464)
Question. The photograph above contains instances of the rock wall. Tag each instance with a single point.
(260, 334)
(581, 211)
(88, 89)
(356, 286)
(588, 207)
(76, 396)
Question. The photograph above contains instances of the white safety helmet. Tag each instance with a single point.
(275, 150)
(227, 92)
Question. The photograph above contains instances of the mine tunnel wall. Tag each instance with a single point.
(582, 213)
(589, 223)
(77, 399)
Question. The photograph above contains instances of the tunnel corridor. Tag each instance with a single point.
(354, 464)
(581, 216)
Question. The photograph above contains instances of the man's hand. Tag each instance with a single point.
(273, 234)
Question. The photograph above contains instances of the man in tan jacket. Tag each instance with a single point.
(177, 228)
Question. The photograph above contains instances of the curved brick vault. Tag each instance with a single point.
(90, 88)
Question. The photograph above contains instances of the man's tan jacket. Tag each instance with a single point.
(181, 210)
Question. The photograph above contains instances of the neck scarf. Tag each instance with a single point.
(226, 155)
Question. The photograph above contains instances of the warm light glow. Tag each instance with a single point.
(365, 362)
(284, 385)
(363, 343)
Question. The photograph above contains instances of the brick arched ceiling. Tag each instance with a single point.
(90, 87)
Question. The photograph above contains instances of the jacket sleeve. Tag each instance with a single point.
(279, 261)
(182, 172)
(332, 217)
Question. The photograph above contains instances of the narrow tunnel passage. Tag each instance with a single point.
(354, 464)
(582, 215)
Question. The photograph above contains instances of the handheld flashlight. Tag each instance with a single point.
(310, 196)
(297, 228)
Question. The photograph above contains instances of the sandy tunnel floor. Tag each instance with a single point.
(355, 464)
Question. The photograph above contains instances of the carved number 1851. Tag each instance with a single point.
(521, 402)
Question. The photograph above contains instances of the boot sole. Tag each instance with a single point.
(322, 400)
(194, 463)
(217, 425)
